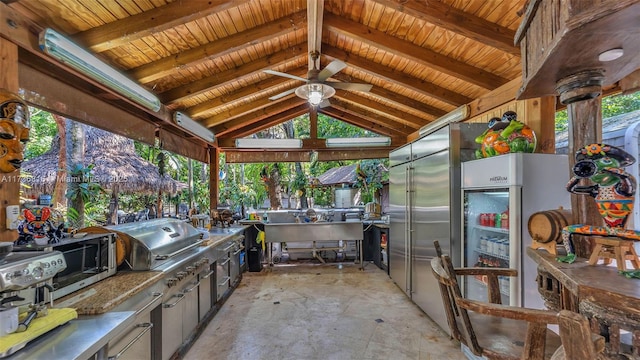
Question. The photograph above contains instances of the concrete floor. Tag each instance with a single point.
(321, 311)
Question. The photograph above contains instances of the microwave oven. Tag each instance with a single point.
(90, 258)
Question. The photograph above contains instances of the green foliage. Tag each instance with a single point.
(81, 184)
(43, 129)
(611, 106)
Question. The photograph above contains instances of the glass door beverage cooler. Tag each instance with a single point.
(499, 194)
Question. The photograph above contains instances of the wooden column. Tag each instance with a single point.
(313, 123)
(581, 93)
(9, 182)
(539, 115)
(214, 178)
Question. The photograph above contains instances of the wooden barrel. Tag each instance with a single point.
(546, 226)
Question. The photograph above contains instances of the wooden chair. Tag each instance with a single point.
(578, 342)
(491, 329)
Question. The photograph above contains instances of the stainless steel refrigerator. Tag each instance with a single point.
(424, 205)
(499, 195)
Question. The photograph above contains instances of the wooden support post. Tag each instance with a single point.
(581, 93)
(214, 178)
(9, 182)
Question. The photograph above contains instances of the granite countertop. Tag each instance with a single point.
(106, 294)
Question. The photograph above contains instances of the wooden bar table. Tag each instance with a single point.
(608, 299)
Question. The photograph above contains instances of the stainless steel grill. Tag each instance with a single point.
(156, 242)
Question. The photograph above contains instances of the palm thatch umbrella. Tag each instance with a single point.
(117, 167)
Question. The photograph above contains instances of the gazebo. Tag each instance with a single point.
(117, 168)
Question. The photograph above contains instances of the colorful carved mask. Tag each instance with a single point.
(14, 130)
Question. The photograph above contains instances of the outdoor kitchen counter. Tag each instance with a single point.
(107, 294)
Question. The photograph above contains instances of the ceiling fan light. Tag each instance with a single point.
(315, 93)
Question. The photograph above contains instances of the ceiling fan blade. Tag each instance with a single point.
(332, 68)
(283, 94)
(278, 73)
(350, 86)
(324, 103)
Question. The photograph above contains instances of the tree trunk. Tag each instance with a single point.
(75, 154)
(59, 199)
(190, 180)
(273, 187)
(303, 190)
(112, 218)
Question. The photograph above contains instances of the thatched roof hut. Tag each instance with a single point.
(117, 166)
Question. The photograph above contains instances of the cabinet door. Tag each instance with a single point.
(205, 291)
(172, 325)
(190, 309)
(140, 348)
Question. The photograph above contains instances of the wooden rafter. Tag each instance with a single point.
(258, 114)
(355, 119)
(243, 93)
(457, 21)
(229, 76)
(408, 50)
(118, 33)
(215, 49)
(264, 124)
(399, 100)
(417, 85)
(395, 115)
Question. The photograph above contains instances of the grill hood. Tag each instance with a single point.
(155, 241)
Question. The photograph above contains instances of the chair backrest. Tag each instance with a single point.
(577, 339)
(457, 318)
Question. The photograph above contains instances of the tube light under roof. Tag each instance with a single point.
(64, 50)
(254, 143)
(184, 121)
(359, 142)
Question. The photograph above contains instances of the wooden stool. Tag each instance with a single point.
(621, 250)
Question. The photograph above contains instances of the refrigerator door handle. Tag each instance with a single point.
(409, 230)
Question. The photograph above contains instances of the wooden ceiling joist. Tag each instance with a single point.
(458, 21)
(229, 76)
(408, 50)
(349, 118)
(215, 49)
(121, 32)
(378, 70)
(242, 93)
(400, 100)
(257, 115)
(400, 117)
(228, 139)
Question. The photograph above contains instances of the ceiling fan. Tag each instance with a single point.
(316, 89)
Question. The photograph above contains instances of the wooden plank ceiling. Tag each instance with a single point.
(207, 58)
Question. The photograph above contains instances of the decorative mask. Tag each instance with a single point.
(14, 130)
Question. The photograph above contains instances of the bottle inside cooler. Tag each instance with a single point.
(486, 239)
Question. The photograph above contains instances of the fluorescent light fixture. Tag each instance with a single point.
(65, 51)
(315, 93)
(253, 143)
(359, 142)
(457, 115)
(195, 128)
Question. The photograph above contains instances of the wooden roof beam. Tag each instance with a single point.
(243, 109)
(356, 120)
(121, 32)
(400, 100)
(420, 86)
(243, 93)
(217, 48)
(393, 45)
(257, 115)
(251, 128)
(458, 21)
(375, 118)
(396, 115)
(231, 75)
